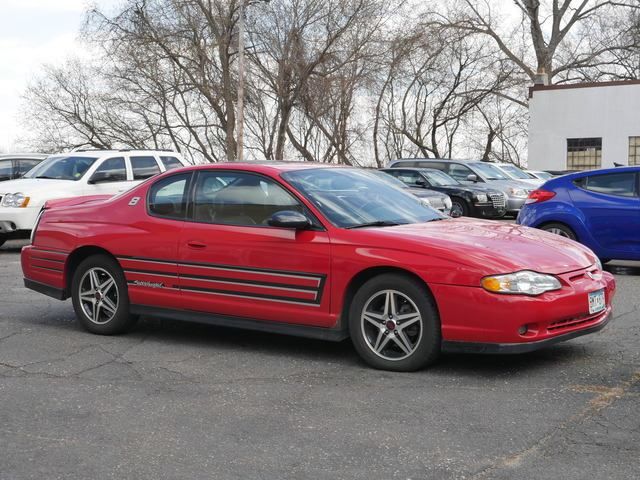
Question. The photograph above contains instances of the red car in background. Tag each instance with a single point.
(317, 251)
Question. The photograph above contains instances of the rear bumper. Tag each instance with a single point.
(53, 292)
(524, 347)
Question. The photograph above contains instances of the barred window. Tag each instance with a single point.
(584, 153)
(634, 150)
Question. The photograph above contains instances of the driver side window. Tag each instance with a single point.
(237, 198)
(111, 170)
(459, 172)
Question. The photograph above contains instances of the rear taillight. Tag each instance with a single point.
(538, 196)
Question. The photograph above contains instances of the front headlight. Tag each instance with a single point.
(481, 198)
(18, 200)
(519, 192)
(425, 202)
(525, 282)
(447, 203)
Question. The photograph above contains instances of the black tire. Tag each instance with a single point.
(460, 205)
(559, 229)
(424, 347)
(3, 239)
(108, 323)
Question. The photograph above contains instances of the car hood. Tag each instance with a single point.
(493, 247)
(426, 193)
(475, 188)
(28, 185)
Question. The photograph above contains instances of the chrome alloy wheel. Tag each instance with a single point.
(98, 295)
(559, 231)
(391, 325)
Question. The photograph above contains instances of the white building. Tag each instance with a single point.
(584, 126)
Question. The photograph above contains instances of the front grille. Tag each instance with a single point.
(498, 200)
(437, 203)
(573, 322)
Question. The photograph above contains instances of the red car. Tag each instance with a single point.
(316, 251)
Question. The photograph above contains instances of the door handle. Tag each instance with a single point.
(196, 244)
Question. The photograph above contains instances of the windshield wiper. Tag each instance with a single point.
(379, 223)
(44, 176)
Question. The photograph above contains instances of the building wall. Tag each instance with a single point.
(611, 112)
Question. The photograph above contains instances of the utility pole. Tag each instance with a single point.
(240, 114)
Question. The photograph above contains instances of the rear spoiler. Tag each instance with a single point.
(73, 201)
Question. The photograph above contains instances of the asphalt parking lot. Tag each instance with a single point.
(178, 400)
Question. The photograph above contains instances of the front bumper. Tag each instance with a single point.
(487, 210)
(15, 219)
(522, 347)
(514, 204)
(498, 319)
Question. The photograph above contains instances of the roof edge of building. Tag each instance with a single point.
(612, 83)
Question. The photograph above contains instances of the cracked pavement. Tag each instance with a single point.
(180, 400)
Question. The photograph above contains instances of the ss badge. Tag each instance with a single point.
(134, 201)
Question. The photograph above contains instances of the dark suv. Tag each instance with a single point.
(14, 166)
(468, 200)
(476, 172)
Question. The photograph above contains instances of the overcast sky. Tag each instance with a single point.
(33, 32)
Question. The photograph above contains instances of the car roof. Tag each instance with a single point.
(586, 173)
(273, 167)
(18, 156)
(417, 169)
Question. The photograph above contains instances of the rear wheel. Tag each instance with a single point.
(394, 324)
(459, 207)
(559, 229)
(100, 297)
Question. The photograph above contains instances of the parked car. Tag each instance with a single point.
(434, 199)
(469, 172)
(598, 208)
(319, 251)
(540, 174)
(15, 165)
(466, 200)
(78, 173)
(515, 172)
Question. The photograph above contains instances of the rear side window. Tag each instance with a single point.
(25, 164)
(170, 162)
(6, 169)
(144, 167)
(618, 184)
(168, 197)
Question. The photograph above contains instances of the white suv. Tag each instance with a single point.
(76, 174)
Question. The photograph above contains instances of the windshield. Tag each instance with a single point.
(439, 179)
(491, 172)
(62, 168)
(350, 197)
(515, 172)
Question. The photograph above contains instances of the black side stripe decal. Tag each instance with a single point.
(224, 279)
(315, 276)
(318, 290)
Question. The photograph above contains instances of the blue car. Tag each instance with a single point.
(598, 208)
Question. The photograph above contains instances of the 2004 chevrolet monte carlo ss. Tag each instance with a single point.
(315, 251)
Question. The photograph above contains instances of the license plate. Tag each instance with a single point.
(596, 302)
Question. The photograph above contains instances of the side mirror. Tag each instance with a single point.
(289, 219)
(101, 177)
(472, 177)
(421, 183)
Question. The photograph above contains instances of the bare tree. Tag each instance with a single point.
(555, 36)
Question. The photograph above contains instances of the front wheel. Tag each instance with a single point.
(100, 297)
(459, 207)
(394, 324)
(559, 229)
(3, 239)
